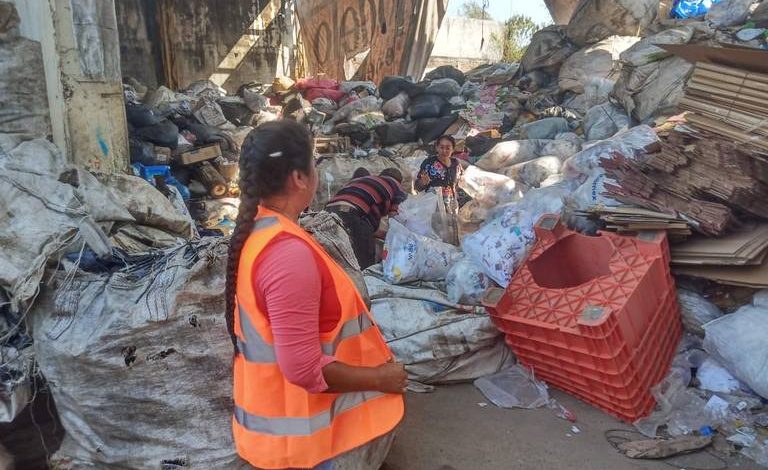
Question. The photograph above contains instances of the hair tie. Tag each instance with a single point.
(276, 154)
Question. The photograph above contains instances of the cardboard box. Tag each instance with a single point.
(200, 154)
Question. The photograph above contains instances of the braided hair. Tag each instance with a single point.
(269, 155)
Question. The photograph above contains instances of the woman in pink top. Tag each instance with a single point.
(278, 173)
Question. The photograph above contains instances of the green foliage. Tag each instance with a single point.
(514, 41)
(473, 9)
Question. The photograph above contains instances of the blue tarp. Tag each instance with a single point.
(684, 9)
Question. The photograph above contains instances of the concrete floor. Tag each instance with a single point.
(448, 430)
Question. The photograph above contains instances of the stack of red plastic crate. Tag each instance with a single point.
(594, 316)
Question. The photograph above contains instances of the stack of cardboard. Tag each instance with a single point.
(632, 219)
(728, 93)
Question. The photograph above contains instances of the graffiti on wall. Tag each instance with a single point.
(333, 32)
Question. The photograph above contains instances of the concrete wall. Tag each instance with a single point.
(176, 42)
(80, 50)
(140, 50)
(465, 43)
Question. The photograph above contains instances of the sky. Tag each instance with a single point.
(500, 10)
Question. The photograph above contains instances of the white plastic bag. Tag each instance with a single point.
(416, 214)
(414, 257)
(506, 154)
(487, 188)
(466, 282)
(535, 172)
(501, 245)
(739, 342)
(599, 61)
(715, 378)
(631, 143)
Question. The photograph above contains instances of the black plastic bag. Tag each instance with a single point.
(447, 71)
(427, 106)
(430, 129)
(397, 132)
(141, 152)
(139, 115)
(164, 134)
(392, 86)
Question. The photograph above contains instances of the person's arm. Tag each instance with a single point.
(422, 179)
(386, 378)
(291, 295)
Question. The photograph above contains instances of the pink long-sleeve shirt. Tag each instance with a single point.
(289, 286)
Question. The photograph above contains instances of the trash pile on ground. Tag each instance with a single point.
(191, 140)
(586, 127)
(582, 136)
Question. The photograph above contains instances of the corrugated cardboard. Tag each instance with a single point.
(754, 60)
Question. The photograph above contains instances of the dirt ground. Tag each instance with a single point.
(450, 430)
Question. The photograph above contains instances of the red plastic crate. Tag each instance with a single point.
(665, 328)
(594, 316)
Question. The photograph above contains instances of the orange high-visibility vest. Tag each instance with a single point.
(277, 424)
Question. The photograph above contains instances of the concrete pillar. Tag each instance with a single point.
(81, 53)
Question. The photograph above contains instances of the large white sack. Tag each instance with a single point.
(438, 341)
(647, 50)
(604, 121)
(536, 171)
(466, 282)
(417, 214)
(653, 90)
(506, 154)
(413, 257)
(592, 194)
(632, 143)
(396, 107)
(739, 342)
(594, 20)
(487, 188)
(600, 60)
(501, 245)
(129, 354)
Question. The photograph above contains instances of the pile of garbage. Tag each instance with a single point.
(191, 140)
(534, 138)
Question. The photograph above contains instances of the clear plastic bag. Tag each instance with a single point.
(514, 388)
(739, 342)
(696, 311)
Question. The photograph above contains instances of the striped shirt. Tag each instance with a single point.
(374, 196)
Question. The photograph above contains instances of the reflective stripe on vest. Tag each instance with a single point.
(256, 349)
(303, 426)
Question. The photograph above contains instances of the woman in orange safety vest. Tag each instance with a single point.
(315, 385)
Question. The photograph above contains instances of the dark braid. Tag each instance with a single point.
(269, 155)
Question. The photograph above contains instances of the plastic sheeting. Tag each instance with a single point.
(739, 342)
(438, 341)
(129, 354)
